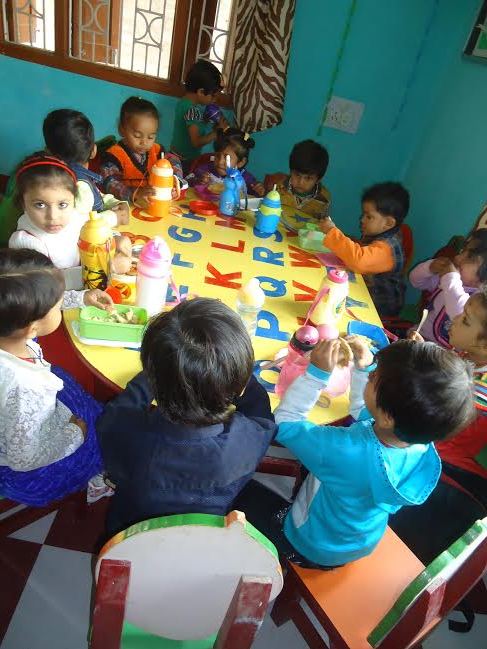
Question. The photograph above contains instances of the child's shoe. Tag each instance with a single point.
(97, 488)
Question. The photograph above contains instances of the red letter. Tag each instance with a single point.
(222, 279)
(225, 246)
(303, 258)
(309, 296)
(231, 223)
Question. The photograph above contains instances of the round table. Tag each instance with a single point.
(213, 257)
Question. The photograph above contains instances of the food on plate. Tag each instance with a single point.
(345, 355)
(118, 317)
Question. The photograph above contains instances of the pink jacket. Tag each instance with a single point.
(447, 297)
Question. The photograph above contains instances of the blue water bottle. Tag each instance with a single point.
(229, 201)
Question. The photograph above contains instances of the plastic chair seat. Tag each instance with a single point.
(351, 600)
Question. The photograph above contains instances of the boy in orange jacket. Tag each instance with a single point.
(379, 255)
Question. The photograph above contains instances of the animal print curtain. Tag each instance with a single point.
(261, 51)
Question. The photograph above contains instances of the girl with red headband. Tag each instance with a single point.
(46, 188)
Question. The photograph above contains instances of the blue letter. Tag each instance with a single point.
(272, 331)
(278, 286)
(267, 256)
(186, 236)
(177, 261)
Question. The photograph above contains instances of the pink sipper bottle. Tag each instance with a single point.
(153, 274)
(297, 359)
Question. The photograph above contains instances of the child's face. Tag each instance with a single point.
(221, 164)
(202, 97)
(49, 207)
(139, 132)
(467, 330)
(373, 222)
(303, 183)
(468, 264)
(50, 322)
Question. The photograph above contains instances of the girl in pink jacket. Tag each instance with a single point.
(450, 284)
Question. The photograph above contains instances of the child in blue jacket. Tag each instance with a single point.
(414, 394)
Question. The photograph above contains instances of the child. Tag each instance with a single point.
(460, 498)
(69, 135)
(48, 446)
(302, 189)
(237, 145)
(194, 452)
(46, 189)
(379, 255)
(450, 285)
(126, 166)
(191, 132)
(359, 475)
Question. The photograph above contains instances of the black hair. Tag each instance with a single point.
(205, 75)
(69, 135)
(390, 199)
(477, 248)
(309, 157)
(426, 389)
(235, 139)
(30, 286)
(137, 106)
(45, 171)
(198, 359)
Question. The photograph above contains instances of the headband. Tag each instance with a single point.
(47, 162)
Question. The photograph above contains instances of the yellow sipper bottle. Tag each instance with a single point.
(96, 249)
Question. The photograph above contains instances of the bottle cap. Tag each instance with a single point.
(305, 338)
(337, 276)
(251, 293)
(272, 198)
(155, 253)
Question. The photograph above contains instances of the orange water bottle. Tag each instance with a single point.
(162, 180)
(96, 250)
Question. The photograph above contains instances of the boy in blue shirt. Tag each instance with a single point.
(416, 393)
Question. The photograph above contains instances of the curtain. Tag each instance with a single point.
(261, 51)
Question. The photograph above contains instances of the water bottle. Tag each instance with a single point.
(96, 250)
(250, 300)
(212, 113)
(330, 301)
(229, 202)
(269, 212)
(297, 359)
(153, 274)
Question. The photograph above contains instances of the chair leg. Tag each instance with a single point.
(109, 610)
(245, 613)
(288, 597)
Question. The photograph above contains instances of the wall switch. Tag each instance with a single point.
(344, 114)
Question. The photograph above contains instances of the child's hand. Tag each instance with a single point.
(326, 225)
(361, 352)
(325, 355)
(122, 211)
(258, 189)
(442, 265)
(413, 335)
(222, 123)
(98, 298)
(142, 196)
(80, 423)
(204, 179)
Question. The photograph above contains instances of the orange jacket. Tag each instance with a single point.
(133, 174)
(375, 257)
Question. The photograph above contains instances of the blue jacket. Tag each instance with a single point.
(355, 482)
(161, 468)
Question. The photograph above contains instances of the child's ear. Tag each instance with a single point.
(390, 222)
(121, 130)
(30, 331)
(93, 152)
(241, 163)
(384, 420)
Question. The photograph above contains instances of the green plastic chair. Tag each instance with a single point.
(190, 581)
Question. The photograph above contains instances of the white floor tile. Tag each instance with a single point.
(37, 531)
(53, 612)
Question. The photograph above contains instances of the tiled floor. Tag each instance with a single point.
(46, 570)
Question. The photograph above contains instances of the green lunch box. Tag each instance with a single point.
(126, 333)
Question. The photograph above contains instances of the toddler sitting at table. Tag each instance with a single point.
(48, 446)
(212, 425)
(126, 166)
(237, 145)
(302, 188)
(416, 393)
(379, 255)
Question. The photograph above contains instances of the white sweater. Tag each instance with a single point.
(34, 426)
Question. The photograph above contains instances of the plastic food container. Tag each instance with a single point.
(129, 333)
(376, 334)
(311, 238)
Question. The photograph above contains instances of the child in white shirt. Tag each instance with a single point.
(48, 446)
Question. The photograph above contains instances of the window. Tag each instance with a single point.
(147, 44)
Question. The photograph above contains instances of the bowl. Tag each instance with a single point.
(105, 330)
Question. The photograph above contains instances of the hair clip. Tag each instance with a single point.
(246, 136)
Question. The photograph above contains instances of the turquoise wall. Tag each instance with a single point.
(437, 146)
(447, 175)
